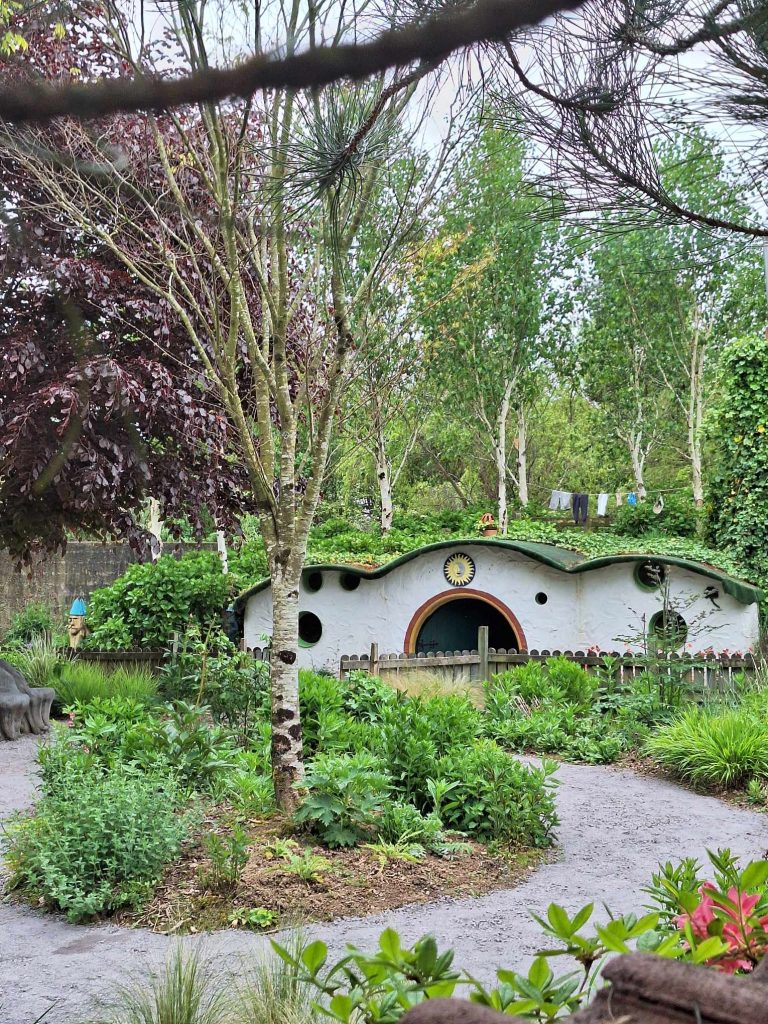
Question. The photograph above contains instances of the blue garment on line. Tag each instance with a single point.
(632, 498)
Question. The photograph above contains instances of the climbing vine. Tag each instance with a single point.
(739, 514)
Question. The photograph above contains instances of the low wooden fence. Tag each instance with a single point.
(716, 671)
(151, 660)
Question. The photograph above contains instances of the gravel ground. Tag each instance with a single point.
(615, 827)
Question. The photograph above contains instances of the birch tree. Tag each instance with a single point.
(243, 218)
(482, 285)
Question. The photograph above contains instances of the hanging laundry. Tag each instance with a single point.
(602, 503)
(619, 498)
(560, 500)
(632, 498)
(658, 505)
(580, 508)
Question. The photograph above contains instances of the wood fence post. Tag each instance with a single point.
(482, 650)
(374, 660)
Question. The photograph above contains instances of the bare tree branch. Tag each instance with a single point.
(432, 41)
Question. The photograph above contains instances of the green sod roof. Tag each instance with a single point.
(563, 559)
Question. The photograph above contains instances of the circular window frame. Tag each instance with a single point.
(304, 617)
(541, 598)
(649, 588)
(673, 643)
(314, 576)
(349, 581)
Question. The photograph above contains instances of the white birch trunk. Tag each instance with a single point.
(500, 455)
(384, 479)
(638, 464)
(221, 547)
(522, 456)
(696, 418)
(155, 528)
(287, 750)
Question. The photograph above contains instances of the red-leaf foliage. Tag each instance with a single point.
(103, 401)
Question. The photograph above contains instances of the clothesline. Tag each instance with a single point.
(650, 490)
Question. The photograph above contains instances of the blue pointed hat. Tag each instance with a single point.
(78, 607)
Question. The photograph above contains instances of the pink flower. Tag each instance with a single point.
(703, 916)
(739, 926)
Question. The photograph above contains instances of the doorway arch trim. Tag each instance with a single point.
(423, 612)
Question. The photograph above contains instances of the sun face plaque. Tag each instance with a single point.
(459, 569)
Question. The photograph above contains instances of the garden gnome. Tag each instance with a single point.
(76, 627)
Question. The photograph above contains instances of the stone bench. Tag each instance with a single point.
(23, 708)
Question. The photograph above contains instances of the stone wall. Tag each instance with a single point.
(58, 580)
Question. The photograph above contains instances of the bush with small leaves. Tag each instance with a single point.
(97, 841)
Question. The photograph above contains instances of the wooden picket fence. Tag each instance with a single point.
(716, 671)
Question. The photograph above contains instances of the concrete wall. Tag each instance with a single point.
(58, 580)
(597, 608)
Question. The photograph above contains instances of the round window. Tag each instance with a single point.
(349, 581)
(541, 598)
(650, 575)
(310, 629)
(313, 581)
(667, 630)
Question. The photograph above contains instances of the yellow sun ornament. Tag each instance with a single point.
(459, 569)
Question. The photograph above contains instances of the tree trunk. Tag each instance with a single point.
(287, 753)
(221, 547)
(155, 528)
(384, 477)
(522, 456)
(696, 417)
(637, 455)
(500, 455)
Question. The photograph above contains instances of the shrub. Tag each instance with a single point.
(322, 720)
(97, 841)
(344, 795)
(200, 754)
(679, 517)
(153, 600)
(82, 682)
(209, 668)
(402, 823)
(558, 679)
(409, 750)
(496, 797)
(366, 697)
(713, 748)
(32, 621)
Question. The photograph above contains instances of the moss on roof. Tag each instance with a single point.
(556, 557)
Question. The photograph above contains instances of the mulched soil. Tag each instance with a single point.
(355, 883)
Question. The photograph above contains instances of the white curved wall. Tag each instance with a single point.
(599, 608)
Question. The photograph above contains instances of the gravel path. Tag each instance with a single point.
(615, 827)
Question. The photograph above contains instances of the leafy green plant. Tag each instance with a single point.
(153, 600)
(97, 841)
(496, 797)
(253, 917)
(32, 621)
(308, 866)
(344, 795)
(201, 755)
(227, 856)
(401, 823)
(209, 669)
(713, 748)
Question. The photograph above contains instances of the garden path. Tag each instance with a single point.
(615, 827)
